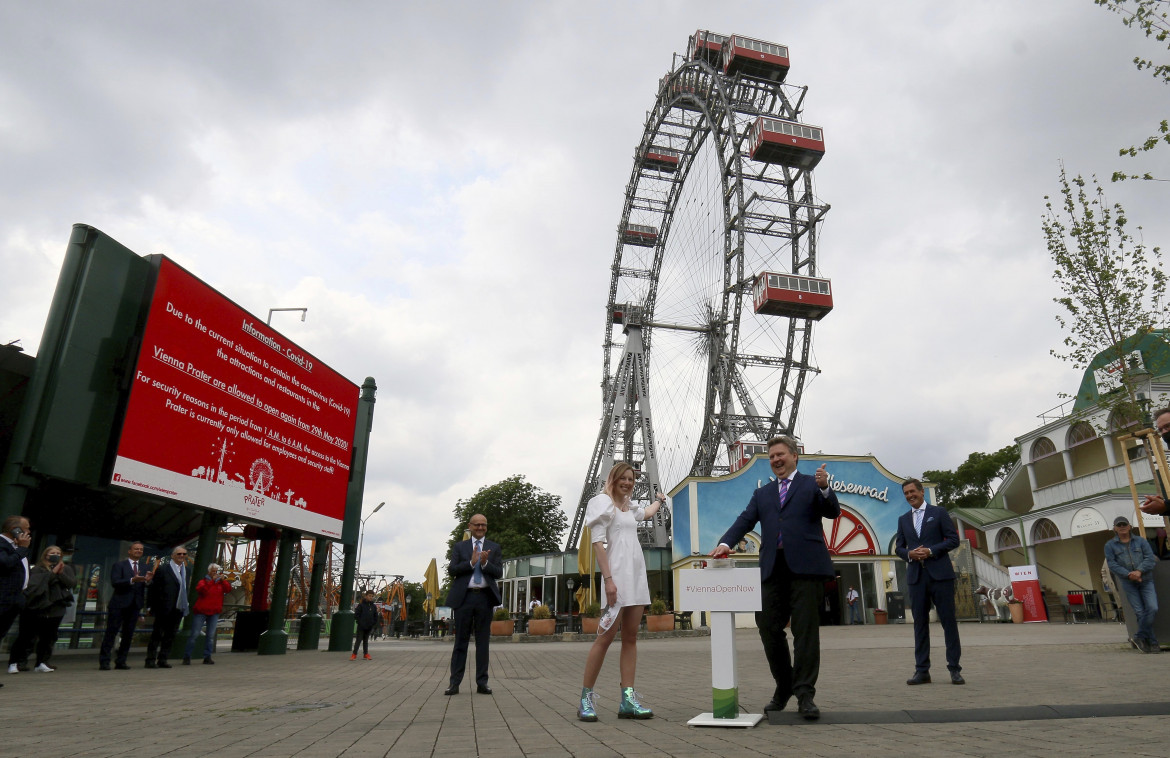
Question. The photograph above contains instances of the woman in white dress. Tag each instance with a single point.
(613, 526)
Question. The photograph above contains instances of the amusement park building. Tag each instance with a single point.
(1055, 508)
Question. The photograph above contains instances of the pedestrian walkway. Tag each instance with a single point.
(1048, 689)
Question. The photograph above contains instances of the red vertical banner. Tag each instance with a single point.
(1026, 589)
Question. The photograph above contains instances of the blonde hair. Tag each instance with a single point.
(617, 472)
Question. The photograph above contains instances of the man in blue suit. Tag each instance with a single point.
(794, 564)
(129, 579)
(931, 578)
(475, 566)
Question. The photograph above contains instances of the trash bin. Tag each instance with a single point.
(896, 606)
(249, 626)
(879, 616)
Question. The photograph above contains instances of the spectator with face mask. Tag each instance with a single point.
(49, 593)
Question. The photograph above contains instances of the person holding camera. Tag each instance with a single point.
(49, 593)
(205, 613)
(14, 542)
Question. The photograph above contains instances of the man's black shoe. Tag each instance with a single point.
(776, 705)
(103, 667)
(807, 708)
(957, 678)
(151, 665)
(483, 689)
(122, 666)
(920, 677)
(453, 690)
(163, 664)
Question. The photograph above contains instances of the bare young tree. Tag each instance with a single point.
(1112, 285)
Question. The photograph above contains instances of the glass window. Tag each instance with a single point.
(804, 285)
(816, 134)
(773, 280)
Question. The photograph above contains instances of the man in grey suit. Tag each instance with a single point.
(929, 529)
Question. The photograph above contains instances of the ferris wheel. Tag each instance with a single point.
(715, 269)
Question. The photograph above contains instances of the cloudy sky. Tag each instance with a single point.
(439, 184)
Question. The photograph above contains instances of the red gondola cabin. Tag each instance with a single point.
(706, 46)
(661, 158)
(754, 58)
(777, 294)
(741, 452)
(636, 234)
(774, 140)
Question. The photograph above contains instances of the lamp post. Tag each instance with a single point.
(430, 611)
(406, 615)
(304, 312)
(571, 584)
(362, 535)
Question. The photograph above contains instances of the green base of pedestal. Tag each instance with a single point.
(725, 703)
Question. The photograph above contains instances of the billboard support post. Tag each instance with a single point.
(342, 625)
(309, 636)
(275, 640)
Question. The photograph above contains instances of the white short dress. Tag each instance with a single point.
(619, 531)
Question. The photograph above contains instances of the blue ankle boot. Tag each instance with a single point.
(585, 711)
(631, 708)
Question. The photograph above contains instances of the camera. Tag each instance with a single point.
(54, 560)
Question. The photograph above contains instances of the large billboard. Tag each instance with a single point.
(227, 414)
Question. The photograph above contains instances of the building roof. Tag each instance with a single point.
(983, 516)
(1154, 347)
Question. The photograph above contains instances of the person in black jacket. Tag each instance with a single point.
(49, 593)
(365, 615)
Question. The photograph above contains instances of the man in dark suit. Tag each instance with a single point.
(167, 599)
(15, 537)
(931, 578)
(129, 579)
(794, 564)
(475, 566)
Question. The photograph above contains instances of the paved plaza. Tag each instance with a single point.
(1067, 690)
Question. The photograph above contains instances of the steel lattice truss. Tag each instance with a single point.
(718, 372)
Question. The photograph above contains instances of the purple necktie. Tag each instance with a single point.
(783, 497)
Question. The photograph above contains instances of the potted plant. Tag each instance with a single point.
(542, 622)
(590, 615)
(1016, 609)
(659, 619)
(502, 623)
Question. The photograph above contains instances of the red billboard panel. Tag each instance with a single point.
(227, 414)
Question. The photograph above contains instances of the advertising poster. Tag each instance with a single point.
(1026, 587)
(227, 414)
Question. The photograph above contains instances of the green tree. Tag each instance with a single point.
(1151, 17)
(969, 485)
(521, 517)
(1112, 286)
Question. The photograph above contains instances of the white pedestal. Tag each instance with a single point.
(722, 592)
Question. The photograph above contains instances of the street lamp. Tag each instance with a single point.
(570, 584)
(406, 614)
(304, 312)
(362, 535)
